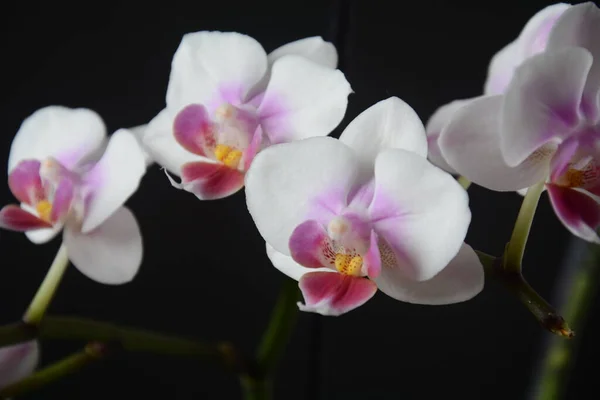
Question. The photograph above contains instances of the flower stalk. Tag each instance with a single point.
(47, 289)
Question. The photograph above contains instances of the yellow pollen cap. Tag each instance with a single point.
(228, 155)
(44, 209)
(348, 264)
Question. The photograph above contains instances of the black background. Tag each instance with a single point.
(205, 272)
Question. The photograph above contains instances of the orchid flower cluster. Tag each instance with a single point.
(380, 208)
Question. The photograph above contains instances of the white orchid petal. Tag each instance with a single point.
(460, 280)
(388, 124)
(213, 67)
(111, 253)
(303, 99)
(69, 135)
(471, 145)
(113, 179)
(285, 181)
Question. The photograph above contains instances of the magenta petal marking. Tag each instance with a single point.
(253, 148)
(577, 211)
(372, 258)
(25, 182)
(329, 293)
(211, 181)
(561, 159)
(63, 197)
(14, 218)
(194, 130)
(310, 246)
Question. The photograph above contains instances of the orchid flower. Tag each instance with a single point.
(18, 362)
(346, 217)
(546, 127)
(531, 41)
(227, 99)
(67, 175)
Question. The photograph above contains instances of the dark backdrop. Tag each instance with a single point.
(205, 272)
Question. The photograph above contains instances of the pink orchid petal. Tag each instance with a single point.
(193, 129)
(372, 258)
(310, 245)
(563, 156)
(14, 218)
(18, 361)
(328, 293)
(25, 182)
(63, 198)
(542, 102)
(211, 181)
(253, 147)
(577, 211)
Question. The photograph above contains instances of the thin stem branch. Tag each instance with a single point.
(281, 325)
(47, 289)
(516, 247)
(54, 372)
(257, 385)
(543, 312)
(129, 339)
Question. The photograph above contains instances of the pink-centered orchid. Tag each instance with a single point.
(18, 362)
(67, 175)
(546, 127)
(531, 41)
(346, 217)
(227, 99)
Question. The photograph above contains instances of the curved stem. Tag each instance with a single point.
(129, 339)
(464, 182)
(54, 372)
(257, 385)
(516, 247)
(560, 354)
(277, 334)
(47, 289)
(543, 312)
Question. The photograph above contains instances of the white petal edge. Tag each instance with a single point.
(288, 266)
(70, 135)
(113, 179)
(440, 118)
(284, 181)
(420, 210)
(388, 124)
(461, 280)
(112, 253)
(470, 143)
(206, 64)
(140, 132)
(303, 99)
(313, 48)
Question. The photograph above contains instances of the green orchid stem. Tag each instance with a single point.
(129, 339)
(560, 355)
(47, 289)
(516, 247)
(56, 371)
(257, 386)
(464, 182)
(543, 312)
